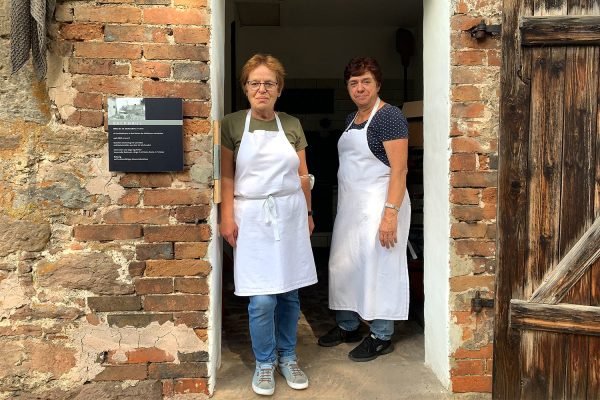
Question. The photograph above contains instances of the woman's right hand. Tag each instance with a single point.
(229, 231)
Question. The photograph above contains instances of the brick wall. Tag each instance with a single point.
(475, 68)
(103, 276)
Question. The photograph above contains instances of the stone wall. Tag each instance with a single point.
(103, 276)
(475, 84)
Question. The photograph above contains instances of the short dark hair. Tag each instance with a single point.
(361, 65)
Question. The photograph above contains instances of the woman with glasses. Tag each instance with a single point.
(266, 217)
(368, 276)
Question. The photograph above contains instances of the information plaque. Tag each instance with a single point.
(145, 134)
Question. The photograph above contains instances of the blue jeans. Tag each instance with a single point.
(273, 326)
(380, 328)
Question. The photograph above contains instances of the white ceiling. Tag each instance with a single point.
(397, 13)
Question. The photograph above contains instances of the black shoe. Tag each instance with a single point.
(370, 348)
(337, 335)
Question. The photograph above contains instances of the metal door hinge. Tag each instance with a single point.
(478, 303)
(481, 30)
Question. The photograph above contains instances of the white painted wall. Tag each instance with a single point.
(215, 248)
(436, 122)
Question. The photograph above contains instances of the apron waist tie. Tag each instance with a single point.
(270, 209)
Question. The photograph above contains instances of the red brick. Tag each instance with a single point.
(190, 250)
(475, 248)
(108, 50)
(108, 84)
(463, 162)
(147, 355)
(466, 93)
(466, 145)
(137, 320)
(114, 303)
(489, 195)
(191, 385)
(462, 7)
(468, 367)
(88, 100)
(106, 232)
(468, 57)
(473, 213)
(122, 373)
(468, 110)
(89, 118)
(464, 196)
(463, 22)
(108, 14)
(494, 58)
(177, 267)
(136, 33)
(482, 352)
(193, 319)
(133, 180)
(491, 231)
(191, 3)
(176, 52)
(154, 251)
(94, 66)
(196, 127)
(137, 268)
(464, 230)
(192, 213)
(137, 216)
(168, 388)
(167, 197)
(467, 282)
(191, 35)
(196, 109)
(182, 302)
(191, 285)
(151, 69)
(153, 285)
(63, 13)
(474, 179)
(78, 31)
(130, 198)
(182, 370)
(465, 384)
(163, 16)
(186, 90)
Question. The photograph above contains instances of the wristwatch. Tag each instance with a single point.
(392, 206)
(310, 213)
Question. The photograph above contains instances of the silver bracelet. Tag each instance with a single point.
(392, 206)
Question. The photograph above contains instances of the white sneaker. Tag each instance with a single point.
(295, 378)
(263, 381)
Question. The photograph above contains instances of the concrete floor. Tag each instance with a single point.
(399, 375)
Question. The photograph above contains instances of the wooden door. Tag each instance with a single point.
(547, 325)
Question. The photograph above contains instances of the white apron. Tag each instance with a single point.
(273, 253)
(364, 276)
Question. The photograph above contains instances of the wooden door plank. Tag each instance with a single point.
(512, 196)
(544, 183)
(560, 30)
(561, 318)
(571, 268)
(578, 188)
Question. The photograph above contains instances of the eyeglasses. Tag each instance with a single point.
(364, 82)
(255, 85)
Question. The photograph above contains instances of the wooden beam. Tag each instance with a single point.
(560, 30)
(561, 318)
(558, 281)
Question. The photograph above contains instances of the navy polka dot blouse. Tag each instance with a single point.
(387, 124)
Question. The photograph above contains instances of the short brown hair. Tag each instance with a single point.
(267, 60)
(361, 65)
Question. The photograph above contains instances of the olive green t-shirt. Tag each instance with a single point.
(232, 129)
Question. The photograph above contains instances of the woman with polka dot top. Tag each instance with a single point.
(368, 275)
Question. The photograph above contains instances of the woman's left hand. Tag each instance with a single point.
(311, 225)
(387, 228)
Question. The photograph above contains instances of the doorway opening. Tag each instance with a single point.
(314, 40)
